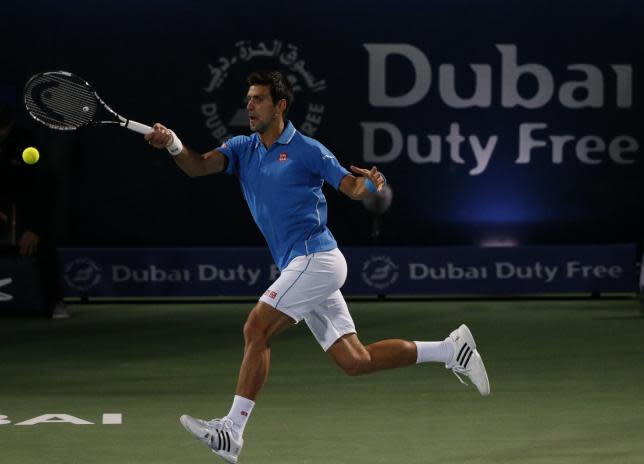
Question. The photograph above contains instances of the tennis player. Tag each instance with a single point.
(281, 173)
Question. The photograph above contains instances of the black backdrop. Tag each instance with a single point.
(159, 61)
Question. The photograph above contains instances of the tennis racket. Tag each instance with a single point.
(63, 101)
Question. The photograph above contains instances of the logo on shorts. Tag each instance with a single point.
(226, 86)
(380, 272)
(283, 156)
(271, 294)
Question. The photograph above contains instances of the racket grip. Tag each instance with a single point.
(138, 127)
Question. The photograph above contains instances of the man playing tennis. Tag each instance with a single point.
(281, 173)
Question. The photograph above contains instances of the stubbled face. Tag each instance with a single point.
(262, 112)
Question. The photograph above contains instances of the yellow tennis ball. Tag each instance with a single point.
(30, 155)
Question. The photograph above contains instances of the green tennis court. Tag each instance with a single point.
(566, 377)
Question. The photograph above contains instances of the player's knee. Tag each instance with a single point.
(357, 365)
(254, 333)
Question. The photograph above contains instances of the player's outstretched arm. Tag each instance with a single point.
(192, 163)
(367, 182)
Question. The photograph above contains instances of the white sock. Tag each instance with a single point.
(240, 412)
(434, 352)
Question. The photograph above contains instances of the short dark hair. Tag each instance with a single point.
(277, 82)
(7, 114)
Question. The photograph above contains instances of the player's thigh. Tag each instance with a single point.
(330, 320)
(265, 321)
(306, 283)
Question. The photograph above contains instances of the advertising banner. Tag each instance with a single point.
(195, 272)
(494, 121)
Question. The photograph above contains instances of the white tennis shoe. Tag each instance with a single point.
(217, 434)
(467, 360)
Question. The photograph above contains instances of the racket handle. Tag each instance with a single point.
(138, 127)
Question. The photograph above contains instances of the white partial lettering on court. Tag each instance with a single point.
(112, 419)
(55, 419)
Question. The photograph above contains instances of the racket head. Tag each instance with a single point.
(63, 101)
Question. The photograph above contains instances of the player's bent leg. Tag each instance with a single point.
(458, 352)
(262, 324)
(356, 359)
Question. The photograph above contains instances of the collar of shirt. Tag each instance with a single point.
(287, 135)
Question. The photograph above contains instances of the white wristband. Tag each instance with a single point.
(176, 147)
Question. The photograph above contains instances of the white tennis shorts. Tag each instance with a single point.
(309, 289)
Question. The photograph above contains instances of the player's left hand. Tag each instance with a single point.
(372, 174)
(28, 243)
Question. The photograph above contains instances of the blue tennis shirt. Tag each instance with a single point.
(283, 188)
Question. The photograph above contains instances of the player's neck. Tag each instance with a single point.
(273, 133)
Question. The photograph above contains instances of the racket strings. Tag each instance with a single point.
(58, 101)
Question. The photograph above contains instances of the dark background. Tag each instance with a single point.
(149, 60)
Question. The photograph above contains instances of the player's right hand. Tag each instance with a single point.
(161, 137)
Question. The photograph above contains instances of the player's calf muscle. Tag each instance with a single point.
(386, 354)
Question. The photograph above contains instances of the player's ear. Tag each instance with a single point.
(282, 105)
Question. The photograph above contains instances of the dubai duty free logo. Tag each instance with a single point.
(224, 111)
(380, 272)
(82, 274)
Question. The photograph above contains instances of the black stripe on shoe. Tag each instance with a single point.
(227, 441)
(468, 359)
(463, 354)
(458, 358)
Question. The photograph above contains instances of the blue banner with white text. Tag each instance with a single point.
(209, 272)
